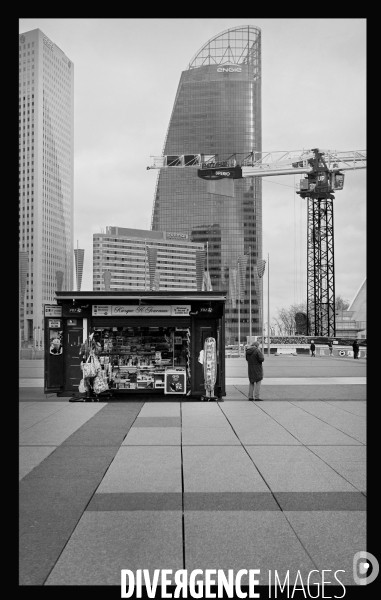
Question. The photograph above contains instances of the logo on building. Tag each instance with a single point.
(171, 235)
(48, 43)
(229, 69)
(22, 39)
(223, 173)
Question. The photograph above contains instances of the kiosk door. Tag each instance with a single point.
(74, 339)
(54, 370)
(204, 329)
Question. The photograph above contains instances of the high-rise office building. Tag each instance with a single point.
(79, 255)
(46, 110)
(217, 110)
(133, 259)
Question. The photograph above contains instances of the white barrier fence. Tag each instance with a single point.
(287, 349)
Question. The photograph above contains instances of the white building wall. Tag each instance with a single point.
(127, 259)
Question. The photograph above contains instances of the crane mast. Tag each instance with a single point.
(323, 175)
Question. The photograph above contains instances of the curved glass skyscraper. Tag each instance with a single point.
(217, 110)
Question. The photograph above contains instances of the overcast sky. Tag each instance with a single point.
(313, 95)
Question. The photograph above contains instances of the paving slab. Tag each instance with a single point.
(27, 394)
(302, 380)
(55, 493)
(31, 382)
(144, 469)
(53, 497)
(200, 408)
(352, 425)
(31, 456)
(107, 427)
(103, 543)
(305, 427)
(310, 392)
(340, 453)
(209, 436)
(33, 372)
(150, 501)
(157, 421)
(230, 501)
(32, 414)
(233, 393)
(244, 540)
(331, 538)
(262, 432)
(160, 409)
(44, 407)
(296, 469)
(328, 501)
(243, 407)
(348, 461)
(217, 420)
(54, 429)
(153, 436)
(220, 469)
(352, 406)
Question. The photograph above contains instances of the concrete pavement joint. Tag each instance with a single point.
(182, 484)
(273, 495)
(330, 424)
(305, 446)
(43, 419)
(348, 411)
(333, 469)
(244, 395)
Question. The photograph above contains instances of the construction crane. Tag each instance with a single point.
(323, 175)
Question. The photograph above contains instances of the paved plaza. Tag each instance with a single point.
(272, 485)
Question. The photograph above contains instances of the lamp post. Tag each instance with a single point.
(250, 293)
(268, 304)
(239, 312)
(262, 311)
(145, 265)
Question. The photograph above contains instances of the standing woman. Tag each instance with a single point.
(312, 348)
(89, 352)
(254, 359)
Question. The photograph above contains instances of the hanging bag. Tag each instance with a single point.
(99, 385)
(89, 369)
(82, 387)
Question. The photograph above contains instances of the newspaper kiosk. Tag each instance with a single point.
(149, 342)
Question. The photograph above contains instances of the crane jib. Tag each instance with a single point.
(220, 173)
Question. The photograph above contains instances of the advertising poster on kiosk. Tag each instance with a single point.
(210, 368)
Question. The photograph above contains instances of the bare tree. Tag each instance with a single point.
(286, 318)
(341, 304)
(279, 325)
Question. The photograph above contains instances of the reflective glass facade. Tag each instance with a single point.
(217, 110)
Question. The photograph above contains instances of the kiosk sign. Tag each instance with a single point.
(143, 310)
(174, 382)
(53, 311)
(54, 324)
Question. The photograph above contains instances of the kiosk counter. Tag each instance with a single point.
(148, 342)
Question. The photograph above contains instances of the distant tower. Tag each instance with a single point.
(79, 255)
(46, 161)
(217, 110)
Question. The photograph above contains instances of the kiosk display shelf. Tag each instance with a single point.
(136, 359)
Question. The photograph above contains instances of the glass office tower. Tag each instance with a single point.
(217, 110)
(46, 161)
